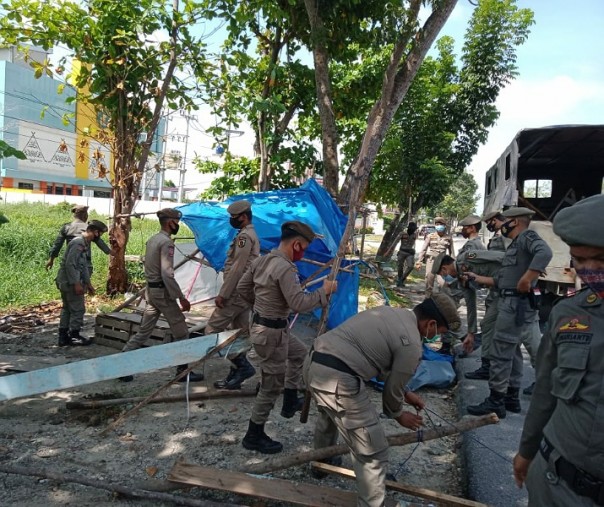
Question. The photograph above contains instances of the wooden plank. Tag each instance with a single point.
(109, 367)
(434, 496)
(117, 334)
(296, 493)
(113, 323)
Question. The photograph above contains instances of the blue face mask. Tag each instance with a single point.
(449, 279)
(440, 228)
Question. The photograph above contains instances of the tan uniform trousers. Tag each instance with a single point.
(431, 278)
(344, 406)
(545, 488)
(158, 303)
(234, 315)
(73, 310)
(281, 358)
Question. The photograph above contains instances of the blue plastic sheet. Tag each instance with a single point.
(310, 204)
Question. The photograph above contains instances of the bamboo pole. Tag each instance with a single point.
(463, 425)
(115, 488)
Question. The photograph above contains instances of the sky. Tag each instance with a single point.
(561, 74)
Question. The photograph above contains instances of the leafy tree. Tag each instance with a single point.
(448, 112)
(126, 76)
(461, 199)
(6, 150)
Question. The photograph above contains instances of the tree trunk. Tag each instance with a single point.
(329, 131)
(397, 79)
(392, 236)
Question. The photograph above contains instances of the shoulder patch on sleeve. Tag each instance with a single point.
(471, 255)
(171, 251)
(241, 241)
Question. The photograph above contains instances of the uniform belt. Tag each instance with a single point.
(272, 323)
(156, 285)
(582, 483)
(507, 293)
(332, 362)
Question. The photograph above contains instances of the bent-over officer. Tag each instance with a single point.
(231, 309)
(561, 455)
(73, 280)
(272, 286)
(517, 322)
(162, 290)
(384, 342)
(72, 230)
(436, 242)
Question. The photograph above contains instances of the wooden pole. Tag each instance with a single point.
(115, 488)
(210, 395)
(272, 465)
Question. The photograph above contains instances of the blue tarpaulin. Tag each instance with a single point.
(310, 204)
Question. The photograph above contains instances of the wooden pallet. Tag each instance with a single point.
(115, 329)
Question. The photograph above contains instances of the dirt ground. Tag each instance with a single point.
(40, 433)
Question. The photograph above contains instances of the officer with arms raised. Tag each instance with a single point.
(561, 455)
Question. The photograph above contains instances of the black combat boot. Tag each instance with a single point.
(193, 377)
(481, 373)
(291, 403)
(76, 339)
(256, 440)
(64, 340)
(494, 403)
(511, 400)
(241, 372)
(529, 390)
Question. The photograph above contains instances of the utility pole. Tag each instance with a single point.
(183, 170)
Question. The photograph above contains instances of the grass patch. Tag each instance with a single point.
(372, 290)
(26, 240)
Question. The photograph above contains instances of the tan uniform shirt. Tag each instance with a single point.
(272, 286)
(384, 342)
(74, 266)
(243, 250)
(435, 244)
(159, 263)
(567, 405)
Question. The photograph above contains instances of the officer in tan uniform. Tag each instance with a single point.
(232, 310)
(517, 317)
(406, 254)
(73, 280)
(435, 243)
(272, 286)
(561, 454)
(73, 230)
(162, 291)
(384, 342)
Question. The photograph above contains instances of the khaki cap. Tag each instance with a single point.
(79, 208)
(470, 220)
(440, 220)
(98, 225)
(301, 228)
(579, 224)
(489, 216)
(518, 212)
(169, 213)
(447, 308)
(238, 207)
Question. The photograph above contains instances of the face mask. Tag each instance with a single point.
(235, 223)
(491, 227)
(594, 279)
(440, 228)
(507, 228)
(174, 229)
(298, 254)
(431, 338)
(449, 279)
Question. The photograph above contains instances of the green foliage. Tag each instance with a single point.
(238, 176)
(6, 150)
(24, 247)
(461, 199)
